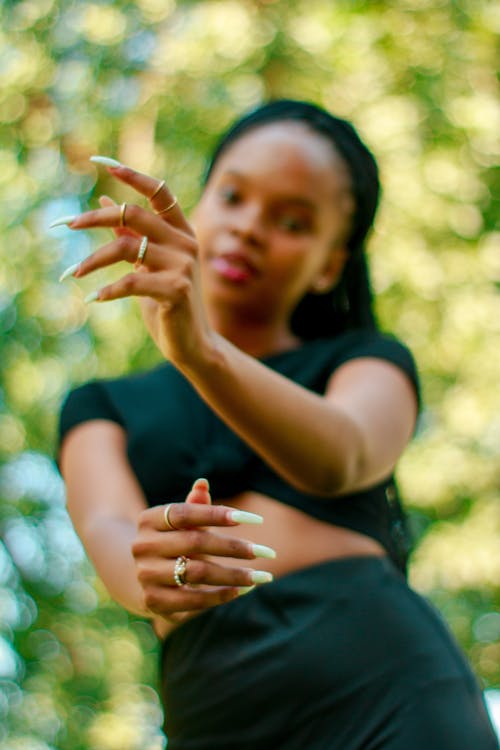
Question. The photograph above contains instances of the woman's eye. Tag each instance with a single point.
(294, 223)
(230, 196)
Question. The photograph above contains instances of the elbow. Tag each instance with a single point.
(338, 473)
(325, 485)
(336, 480)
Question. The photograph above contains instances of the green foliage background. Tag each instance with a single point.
(152, 82)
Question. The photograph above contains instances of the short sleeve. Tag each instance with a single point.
(89, 401)
(384, 346)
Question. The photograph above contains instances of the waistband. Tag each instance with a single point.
(334, 578)
(339, 634)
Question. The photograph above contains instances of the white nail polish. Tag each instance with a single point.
(260, 550)
(70, 270)
(105, 161)
(242, 516)
(92, 297)
(242, 590)
(63, 220)
(261, 576)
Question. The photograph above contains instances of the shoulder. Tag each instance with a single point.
(364, 343)
(86, 402)
(107, 399)
(373, 343)
(316, 360)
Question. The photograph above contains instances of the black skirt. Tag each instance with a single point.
(339, 656)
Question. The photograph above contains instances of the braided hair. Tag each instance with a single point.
(349, 305)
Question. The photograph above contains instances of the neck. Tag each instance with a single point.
(257, 338)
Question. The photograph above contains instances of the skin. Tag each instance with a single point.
(270, 226)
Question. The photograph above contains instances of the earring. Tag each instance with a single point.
(320, 286)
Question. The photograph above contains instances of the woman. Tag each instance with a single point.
(279, 389)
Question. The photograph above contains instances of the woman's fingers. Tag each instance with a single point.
(205, 584)
(196, 542)
(105, 202)
(126, 248)
(204, 572)
(163, 601)
(189, 515)
(200, 572)
(199, 493)
(162, 286)
(156, 191)
(138, 220)
(178, 530)
(143, 253)
(130, 220)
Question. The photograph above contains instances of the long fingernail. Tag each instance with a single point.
(69, 271)
(63, 220)
(92, 297)
(242, 590)
(261, 576)
(242, 516)
(105, 201)
(200, 481)
(260, 550)
(106, 161)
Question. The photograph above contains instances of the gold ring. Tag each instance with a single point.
(160, 185)
(122, 214)
(170, 526)
(168, 208)
(142, 251)
(180, 570)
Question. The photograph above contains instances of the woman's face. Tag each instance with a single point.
(273, 220)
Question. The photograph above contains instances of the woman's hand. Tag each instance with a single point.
(206, 583)
(167, 276)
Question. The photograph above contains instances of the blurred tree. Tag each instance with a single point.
(152, 82)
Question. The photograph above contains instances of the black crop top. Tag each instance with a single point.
(173, 437)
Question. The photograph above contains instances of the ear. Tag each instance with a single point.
(329, 275)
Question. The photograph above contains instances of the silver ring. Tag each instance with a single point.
(180, 570)
(142, 251)
(168, 524)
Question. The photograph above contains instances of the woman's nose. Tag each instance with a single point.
(248, 223)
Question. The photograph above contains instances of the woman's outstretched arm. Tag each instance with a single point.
(327, 445)
(105, 502)
(130, 545)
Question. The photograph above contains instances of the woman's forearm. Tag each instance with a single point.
(306, 439)
(108, 543)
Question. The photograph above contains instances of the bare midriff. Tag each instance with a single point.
(298, 539)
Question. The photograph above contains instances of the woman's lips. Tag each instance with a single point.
(234, 267)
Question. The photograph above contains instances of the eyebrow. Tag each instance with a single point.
(297, 199)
